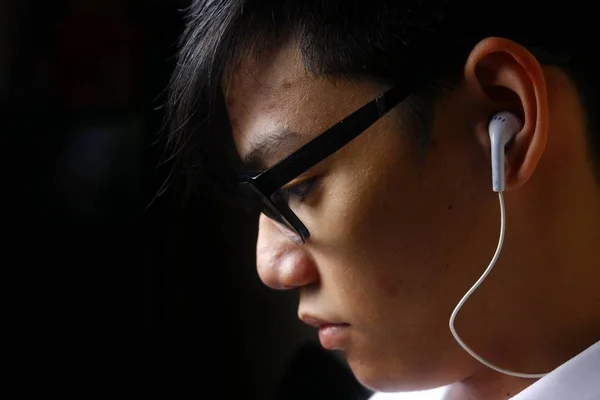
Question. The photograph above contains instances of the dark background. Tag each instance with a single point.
(104, 280)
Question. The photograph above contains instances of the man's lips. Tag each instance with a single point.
(331, 334)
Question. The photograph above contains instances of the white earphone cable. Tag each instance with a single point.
(475, 286)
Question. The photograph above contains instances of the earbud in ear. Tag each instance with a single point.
(503, 126)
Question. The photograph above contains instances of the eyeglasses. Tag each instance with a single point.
(262, 189)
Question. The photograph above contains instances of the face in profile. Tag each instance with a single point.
(396, 237)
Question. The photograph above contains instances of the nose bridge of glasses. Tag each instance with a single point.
(274, 208)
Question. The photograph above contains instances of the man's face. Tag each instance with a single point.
(395, 242)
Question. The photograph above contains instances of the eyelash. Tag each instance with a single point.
(298, 192)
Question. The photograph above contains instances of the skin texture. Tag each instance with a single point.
(395, 244)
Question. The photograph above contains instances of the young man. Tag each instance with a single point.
(384, 221)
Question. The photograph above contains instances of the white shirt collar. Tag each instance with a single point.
(578, 378)
(434, 394)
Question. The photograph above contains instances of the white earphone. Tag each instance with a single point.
(502, 128)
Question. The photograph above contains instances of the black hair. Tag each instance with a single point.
(379, 40)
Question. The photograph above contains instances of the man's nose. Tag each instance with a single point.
(281, 262)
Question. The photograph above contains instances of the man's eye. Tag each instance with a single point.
(298, 193)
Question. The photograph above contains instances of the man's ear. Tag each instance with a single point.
(507, 77)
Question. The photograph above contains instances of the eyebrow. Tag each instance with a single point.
(271, 147)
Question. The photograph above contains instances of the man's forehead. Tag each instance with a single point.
(260, 94)
(282, 68)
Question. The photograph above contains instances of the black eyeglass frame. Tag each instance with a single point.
(262, 186)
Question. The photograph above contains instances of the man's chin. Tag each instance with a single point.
(392, 377)
(374, 376)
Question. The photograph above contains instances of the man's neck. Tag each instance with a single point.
(486, 384)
